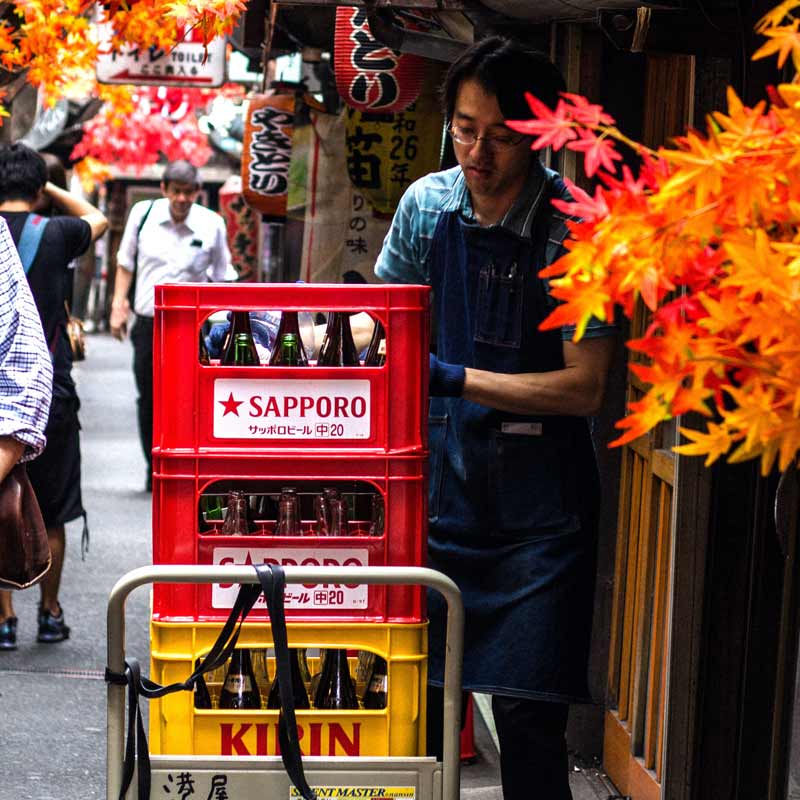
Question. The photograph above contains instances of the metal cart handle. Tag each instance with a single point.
(417, 576)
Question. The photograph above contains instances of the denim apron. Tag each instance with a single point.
(513, 498)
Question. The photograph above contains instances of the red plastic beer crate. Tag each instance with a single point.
(200, 408)
(179, 481)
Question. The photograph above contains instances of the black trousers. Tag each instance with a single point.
(142, 341)
(533, 745)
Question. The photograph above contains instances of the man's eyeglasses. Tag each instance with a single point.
(500, 141)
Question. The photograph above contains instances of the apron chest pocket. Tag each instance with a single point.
(532, 485)
(498, 312)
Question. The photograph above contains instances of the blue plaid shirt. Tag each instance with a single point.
(404, 256)
(26, 372)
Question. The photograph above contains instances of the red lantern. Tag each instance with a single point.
(267, 152)
(370, 76)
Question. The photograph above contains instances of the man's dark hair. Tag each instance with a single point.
(506, 69)
(23, 173)
(181, 172)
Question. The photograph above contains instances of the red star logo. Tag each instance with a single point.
(230, 405)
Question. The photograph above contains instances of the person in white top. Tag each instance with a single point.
(169, 240)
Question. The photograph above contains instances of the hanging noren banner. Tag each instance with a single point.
(267, 153)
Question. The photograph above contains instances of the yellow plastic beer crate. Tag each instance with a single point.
(178, 728)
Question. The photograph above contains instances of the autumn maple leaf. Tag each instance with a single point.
(598, 151)
(583, 205)
(646, 414)
(785, 41)
(586, 113)
(714, 444)
(553, 128)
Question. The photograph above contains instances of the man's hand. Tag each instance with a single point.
(118, 321)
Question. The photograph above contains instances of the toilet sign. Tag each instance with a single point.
(291, 409)
(186, 64)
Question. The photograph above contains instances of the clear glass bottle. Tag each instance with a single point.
(288, 514)
(237, 518)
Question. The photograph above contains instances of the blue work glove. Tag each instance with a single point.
(446, 380)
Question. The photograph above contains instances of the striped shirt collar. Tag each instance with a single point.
(519, 218)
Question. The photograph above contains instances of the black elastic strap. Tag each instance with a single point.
(136, 749)
(273, 581)
(135, 270)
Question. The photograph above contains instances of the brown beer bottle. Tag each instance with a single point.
(205, 359)
(289, 326)
(338, 348)
(240, 691)
(377, 515)
(298, 687)
(237, 518)
(375, 693)
(336, 689)
(202, 699)
(288, 513)
(240, 349)
(376, 352)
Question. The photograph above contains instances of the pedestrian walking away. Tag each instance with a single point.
(514, 489)
(47, 246)
(169, 240)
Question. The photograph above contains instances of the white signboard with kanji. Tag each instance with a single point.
(186, 64)
(291, 409)
(331, 596)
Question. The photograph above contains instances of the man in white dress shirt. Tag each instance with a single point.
(169, 240)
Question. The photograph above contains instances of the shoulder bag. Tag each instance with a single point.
(24, 550)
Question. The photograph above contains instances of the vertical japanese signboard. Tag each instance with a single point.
(387, 152)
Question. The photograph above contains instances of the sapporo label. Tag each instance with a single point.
(237, 684)
(291, 409)
(306, 596)
(366, 792)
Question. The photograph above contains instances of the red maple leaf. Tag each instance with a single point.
(554, 128)
(598, 151)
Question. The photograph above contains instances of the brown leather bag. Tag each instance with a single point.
(24, 549)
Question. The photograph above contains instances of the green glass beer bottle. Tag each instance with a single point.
(289, 326)
(287, 352)
(240, 349)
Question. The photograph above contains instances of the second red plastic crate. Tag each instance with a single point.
(400, 481)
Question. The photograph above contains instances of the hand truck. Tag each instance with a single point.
(251, 777)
